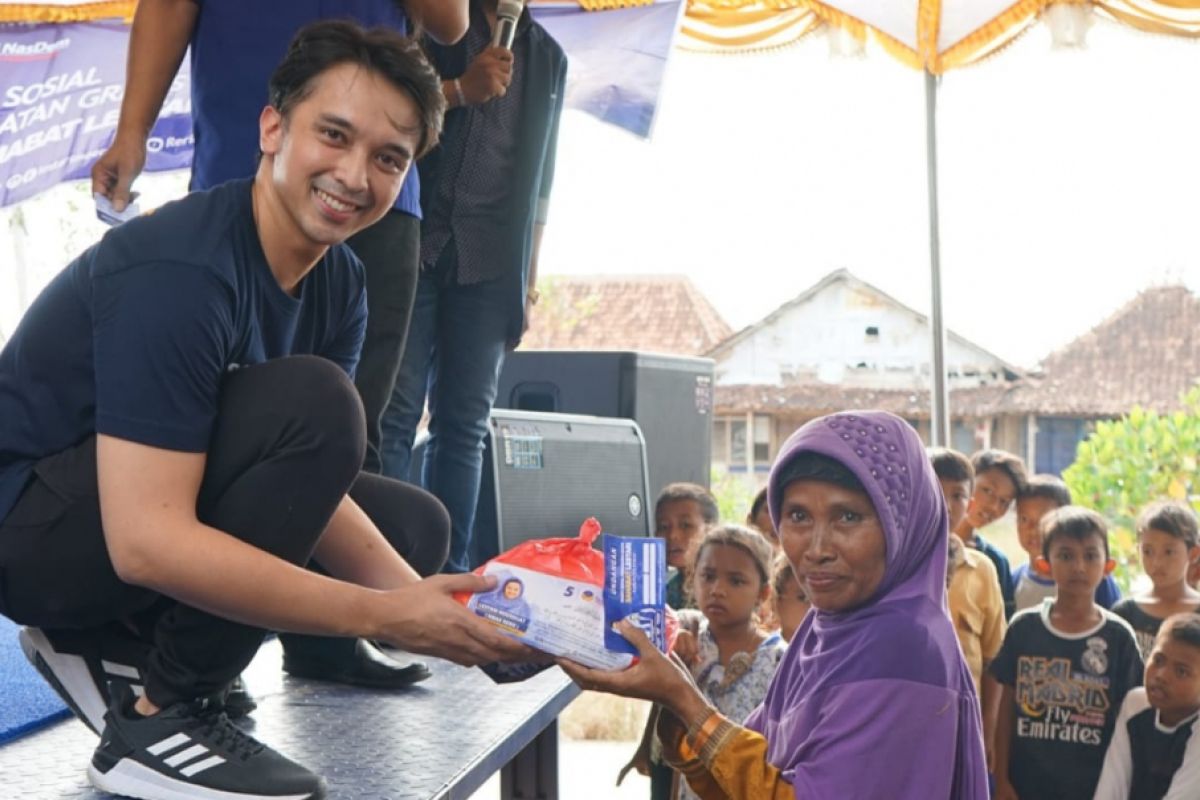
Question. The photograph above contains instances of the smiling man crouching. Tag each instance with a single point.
(181, 437)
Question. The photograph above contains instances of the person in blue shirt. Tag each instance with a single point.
(485, 193)
(232, 55)
(999, 478)
(1031, 581)
(181, 436)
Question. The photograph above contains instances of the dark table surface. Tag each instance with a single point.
(442, 738)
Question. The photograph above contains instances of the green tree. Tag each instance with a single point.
(733, 495)
(1130, 462)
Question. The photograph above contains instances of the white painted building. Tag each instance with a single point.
(847, 344)
(847, 332)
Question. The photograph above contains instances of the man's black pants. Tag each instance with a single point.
(286, 448)
(391, 254)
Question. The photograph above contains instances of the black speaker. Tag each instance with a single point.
(545, 473)
(670, 398)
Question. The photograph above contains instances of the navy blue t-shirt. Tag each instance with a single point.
(234, 51)
(1067, 689)
(1003, 571)
(133, 337)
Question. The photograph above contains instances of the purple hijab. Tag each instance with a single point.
(878, 702)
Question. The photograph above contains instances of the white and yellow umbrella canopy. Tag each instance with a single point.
(63, 11)
(933, 35)
(936, 35)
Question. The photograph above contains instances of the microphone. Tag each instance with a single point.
(507, 14)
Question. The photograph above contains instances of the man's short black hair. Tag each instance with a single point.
(702, 497)
(395, 58)
(1011, 465)
(1183, 627)
(951, 465)
(1072, 522)
(1047, 487)
(1175, 519)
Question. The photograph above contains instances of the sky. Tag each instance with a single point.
(1069, 181)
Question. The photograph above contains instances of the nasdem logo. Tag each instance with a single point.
(34, 51)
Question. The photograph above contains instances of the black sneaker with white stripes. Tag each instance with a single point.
(191, 751)
(81, 665)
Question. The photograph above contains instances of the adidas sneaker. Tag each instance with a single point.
(191, 751)
(80, 665)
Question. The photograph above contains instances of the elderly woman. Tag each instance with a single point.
(873, 699)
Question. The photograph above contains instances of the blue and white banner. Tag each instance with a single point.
(62, 86)
(62, 89)
(617, 57)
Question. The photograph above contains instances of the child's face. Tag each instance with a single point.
(1165, 558)
(994, 493)
(679, 522)
(958, 496)
(790, 607)
(762, 521)
(1173, 678)
(1078, 565)
(834, 540)
(727, 585)
(1030, 511)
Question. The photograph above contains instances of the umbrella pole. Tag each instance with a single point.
(939, 400)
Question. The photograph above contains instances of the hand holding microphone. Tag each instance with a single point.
(507, 14)
(490, 74)
(487, 76)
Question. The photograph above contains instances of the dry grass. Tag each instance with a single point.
(604, 717)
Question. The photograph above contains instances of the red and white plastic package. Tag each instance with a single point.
(550, 595)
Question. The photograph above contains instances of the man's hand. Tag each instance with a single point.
(488, 76)
(114, 172)
(428, 620)
(158, 39)
(512, 343)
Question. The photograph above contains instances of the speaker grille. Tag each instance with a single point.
(550, 472)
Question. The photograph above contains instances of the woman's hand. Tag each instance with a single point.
(654, 677)
(1005, 791)
(639, 762)
(686, 647)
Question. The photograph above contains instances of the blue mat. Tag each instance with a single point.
(28, 702)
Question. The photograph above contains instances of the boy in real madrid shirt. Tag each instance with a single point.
(1066, 667)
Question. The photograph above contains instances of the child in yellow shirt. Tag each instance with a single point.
(972, 589)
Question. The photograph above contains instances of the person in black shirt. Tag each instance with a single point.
(999, 478)
(1155, 751)
(1065, 668)
(485, 192)
(181, 436)
(1168, 542)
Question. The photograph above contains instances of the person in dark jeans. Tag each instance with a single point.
(181, 436)
(485, 192)
(231, 61)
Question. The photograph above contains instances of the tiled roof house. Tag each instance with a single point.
(1147, 354)
(845, 343)
(660, 313)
